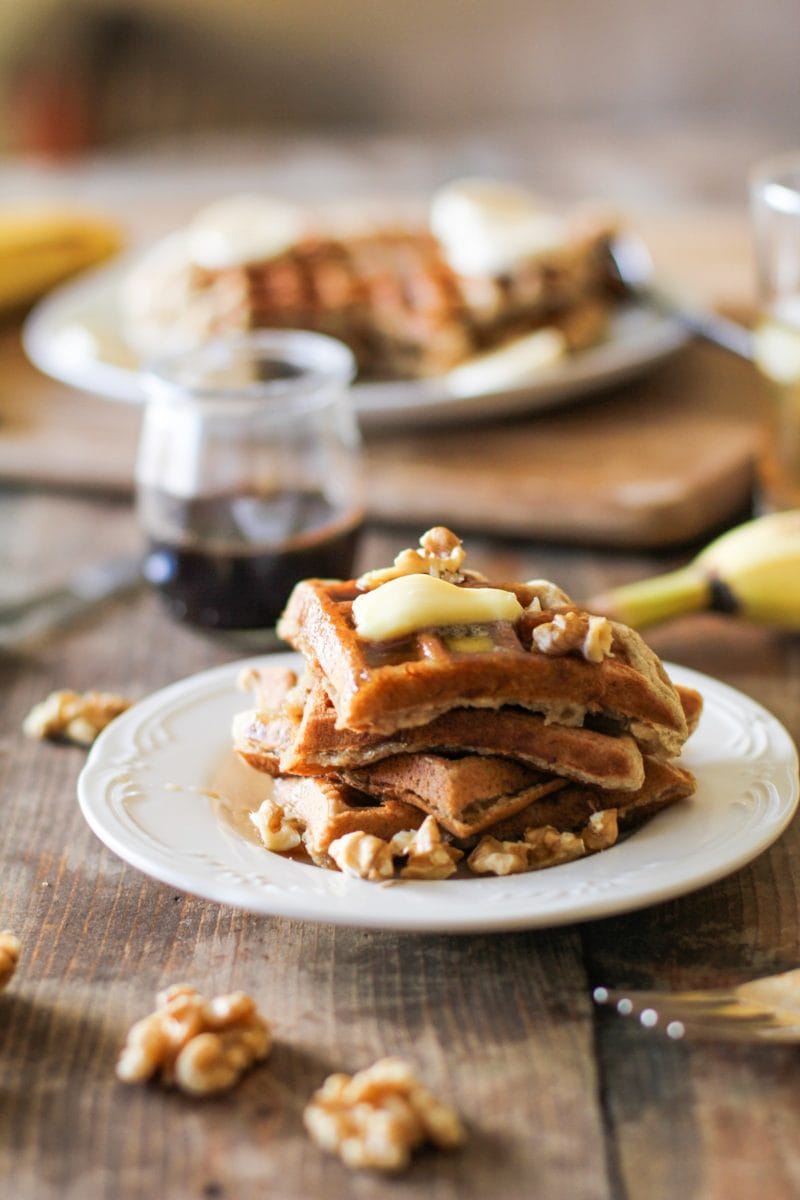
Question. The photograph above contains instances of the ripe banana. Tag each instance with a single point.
(752, 570)
(40, 249)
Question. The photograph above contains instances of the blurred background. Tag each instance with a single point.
(78, 74)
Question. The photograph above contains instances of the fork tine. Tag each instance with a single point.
(710, 1014)
(635, 1001)
(729, 1031)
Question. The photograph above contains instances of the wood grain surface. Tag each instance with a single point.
(560, 1100)
(653, 464)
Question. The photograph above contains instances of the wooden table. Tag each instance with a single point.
(561, 1099)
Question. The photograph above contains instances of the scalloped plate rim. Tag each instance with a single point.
(641, 338)
(247, 877)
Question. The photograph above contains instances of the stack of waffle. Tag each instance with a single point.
(521, 742)
(388, 291)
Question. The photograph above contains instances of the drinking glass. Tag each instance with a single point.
(248, 474)
(775, 207)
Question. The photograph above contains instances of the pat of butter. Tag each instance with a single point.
(243, 229)
(487, 227)
(414, 602)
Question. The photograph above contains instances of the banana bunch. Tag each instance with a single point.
(39, 249)
(752, 570)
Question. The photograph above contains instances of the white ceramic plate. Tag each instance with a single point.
(145, 791)
(103, 363)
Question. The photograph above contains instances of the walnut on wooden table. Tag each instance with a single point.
(200, 1046)
(76, 716)
(10, 948)
(377, 1117)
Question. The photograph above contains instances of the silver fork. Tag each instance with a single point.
(39, 612)
(765, 1009)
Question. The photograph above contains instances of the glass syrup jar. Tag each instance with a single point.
(248, 474)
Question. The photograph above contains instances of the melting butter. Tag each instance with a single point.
(413, 602)
(471, 643)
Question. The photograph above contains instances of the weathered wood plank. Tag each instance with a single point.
(500, 1025)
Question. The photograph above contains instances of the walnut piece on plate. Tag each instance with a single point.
(591, 636)
(362, 855)
(277, 831)
(420, 854)
(427, 855)
(440, 554)
(544, 846)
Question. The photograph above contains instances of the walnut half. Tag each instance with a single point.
(10, 947)
(277, 831)
(427, 855)
(440, 553)
(76, 716)
(589, 635)
(420, 853)
(362, 855)
(544, 846)
(200, 1046)
(376, 1118)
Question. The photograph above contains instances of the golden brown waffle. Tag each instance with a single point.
(692, 704)
(327, 809)
(306, 741)
(571, 807)
(466, 795)
(384, 686)
(391, 295)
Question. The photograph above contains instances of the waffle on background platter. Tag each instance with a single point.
(522, 750)
(388, 291)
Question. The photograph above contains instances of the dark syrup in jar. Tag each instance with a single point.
(230, 562)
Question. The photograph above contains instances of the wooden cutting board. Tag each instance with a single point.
(657, 463)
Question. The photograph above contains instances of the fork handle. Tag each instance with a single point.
(719, 331)
(703, 323)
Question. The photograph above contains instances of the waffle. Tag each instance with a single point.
(389, 293)
(526, 725)
(571, 807)
(466, 795)
(384, 686)
(280, 739)
(692, 704)
(327, 809)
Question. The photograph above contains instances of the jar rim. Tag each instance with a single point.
(321, 363)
